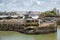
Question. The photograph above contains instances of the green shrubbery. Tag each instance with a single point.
(49, 13)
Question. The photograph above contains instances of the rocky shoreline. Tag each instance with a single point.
(42, 30)
(23, 28)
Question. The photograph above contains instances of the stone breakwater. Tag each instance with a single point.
(20, 25)
(58, 20)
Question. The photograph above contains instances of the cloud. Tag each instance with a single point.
(23, 5)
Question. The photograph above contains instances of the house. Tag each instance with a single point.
(33, 14)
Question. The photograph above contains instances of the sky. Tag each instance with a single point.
(28, 5)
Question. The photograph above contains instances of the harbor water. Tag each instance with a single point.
(11, 35)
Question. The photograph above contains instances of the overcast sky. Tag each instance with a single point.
(26, 5)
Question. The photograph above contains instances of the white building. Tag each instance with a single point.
(34, 14)
(56, 11)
